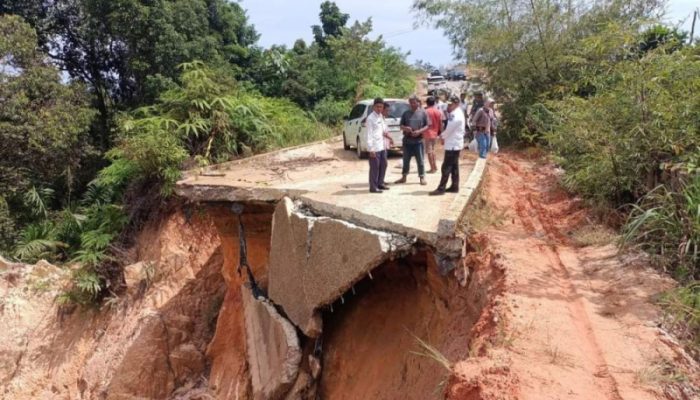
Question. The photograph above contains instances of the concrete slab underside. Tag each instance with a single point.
(313, 260)
(333, 182)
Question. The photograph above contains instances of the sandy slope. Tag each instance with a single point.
(581, 321)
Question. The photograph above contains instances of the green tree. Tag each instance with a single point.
(127, 51)
(44, 123)
(328, 75)
(662, 36)
(332, 22)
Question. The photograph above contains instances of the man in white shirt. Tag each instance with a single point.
(453, 139)
(376, 128)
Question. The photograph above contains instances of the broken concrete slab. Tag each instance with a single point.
(332, 182)
(288, 255)
(272, 348)
(314, 260)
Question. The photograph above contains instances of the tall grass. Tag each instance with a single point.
(666, 223)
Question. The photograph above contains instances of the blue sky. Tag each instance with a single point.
(284, 21)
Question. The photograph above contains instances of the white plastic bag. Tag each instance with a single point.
(494, 145)
(473, 146)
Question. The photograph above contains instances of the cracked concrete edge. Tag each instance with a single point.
(392, 238)
(450, 244)
(393, 244)
(227, 165)
(447, 227)
(214, 193)
(363, 220)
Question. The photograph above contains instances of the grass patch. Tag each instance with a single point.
(594, 235)
(682, 306)
(659, 373)
(431, 352)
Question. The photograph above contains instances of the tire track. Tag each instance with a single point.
(538, 220)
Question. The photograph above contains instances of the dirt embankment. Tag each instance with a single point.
(149, 343)
(581, 320)
(532, 313)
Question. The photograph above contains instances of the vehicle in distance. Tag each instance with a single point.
(436, 84)
(355, 128)
(458, 76)
(436, 72)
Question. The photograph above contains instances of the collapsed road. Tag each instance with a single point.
(327, 235)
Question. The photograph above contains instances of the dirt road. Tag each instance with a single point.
(581, 323)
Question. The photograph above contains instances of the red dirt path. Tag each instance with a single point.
(581, 323)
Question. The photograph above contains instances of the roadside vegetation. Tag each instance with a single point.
(614, 94)
(104, 103)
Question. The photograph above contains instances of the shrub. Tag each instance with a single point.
(666, 223)
(330, 111)
(643, 120)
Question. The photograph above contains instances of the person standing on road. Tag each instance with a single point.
(430, 136)
(482, 129)
(376, 130)
(477, 103)
(388, 140)
(442, 106)
(414, 122)
(489, 106)
(463, 103)
(453, 138)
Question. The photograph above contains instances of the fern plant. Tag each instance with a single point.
(38, 241)
(37, 199)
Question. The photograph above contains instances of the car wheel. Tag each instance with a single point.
(360, 153)
(346, 146)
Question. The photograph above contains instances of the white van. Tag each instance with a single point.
(355, 129)
(436, 84)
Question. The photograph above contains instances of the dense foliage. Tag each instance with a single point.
(44, 126)
(127, 51)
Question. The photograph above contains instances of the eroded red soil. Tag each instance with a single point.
(581, 323)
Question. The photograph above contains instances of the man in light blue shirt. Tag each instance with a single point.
(453, 139)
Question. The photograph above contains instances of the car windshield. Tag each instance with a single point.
(397, 109)
(435, 79)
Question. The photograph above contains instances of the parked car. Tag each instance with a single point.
(354, 131)
(435, 72)
(459, 76)
(436, 84)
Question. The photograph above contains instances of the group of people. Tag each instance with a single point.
(422, 128)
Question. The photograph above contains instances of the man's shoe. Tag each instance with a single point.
(384, 187)
(437, 192)
(375, 191)
(402, 180)
(423, 182)
(452, 190)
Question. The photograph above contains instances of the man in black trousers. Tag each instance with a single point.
(453, 139)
